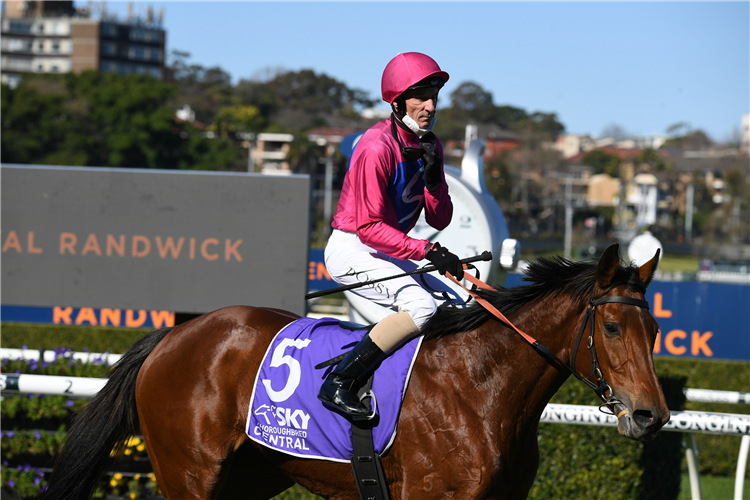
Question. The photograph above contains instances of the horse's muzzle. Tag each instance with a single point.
(642, 424)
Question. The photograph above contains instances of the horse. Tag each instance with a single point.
(468, 425)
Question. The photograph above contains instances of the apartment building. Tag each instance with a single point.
(55, 37)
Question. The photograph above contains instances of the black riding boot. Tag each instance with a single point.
(340, 387)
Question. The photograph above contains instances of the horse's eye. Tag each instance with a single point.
(612, 328)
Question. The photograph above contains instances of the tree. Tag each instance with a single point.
(299, 100)
(602, 162)
(473, 103)
(694, 141)
(470, 103)
(205, 90)
(499, 182)
(506, 116)
(93, 119)
(683, 136)
(652, 158)
(545, 124)
(231, 120)
(615, 131)
(31, 120)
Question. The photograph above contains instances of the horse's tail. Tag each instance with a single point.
(103, 424)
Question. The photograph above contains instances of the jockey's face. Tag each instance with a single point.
(420, 104)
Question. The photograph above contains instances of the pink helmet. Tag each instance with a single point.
(405, 71)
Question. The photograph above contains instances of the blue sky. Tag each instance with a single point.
(643, 66)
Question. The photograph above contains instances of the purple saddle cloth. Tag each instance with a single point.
(285, 412)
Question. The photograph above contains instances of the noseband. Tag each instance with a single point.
(601, 387)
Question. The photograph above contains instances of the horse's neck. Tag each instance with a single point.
(524, 380)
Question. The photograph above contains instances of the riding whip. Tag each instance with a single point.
(485, 256)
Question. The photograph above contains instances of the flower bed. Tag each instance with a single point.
(34, 428)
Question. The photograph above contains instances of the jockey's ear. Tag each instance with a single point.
(608, 265)
(647, 270)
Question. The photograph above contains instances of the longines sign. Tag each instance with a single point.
(152, 240)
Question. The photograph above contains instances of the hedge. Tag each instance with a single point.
(576, 461)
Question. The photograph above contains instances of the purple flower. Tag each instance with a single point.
(18, 372)
(37, 480)
(69, 403)
(85, 349)
(24, 347)
(72, 363)
(37, 435)
(9, 434)
(45, 364)
(5, 463)
(26, 468)
(11, 483)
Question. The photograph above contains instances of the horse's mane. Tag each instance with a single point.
(548, 277)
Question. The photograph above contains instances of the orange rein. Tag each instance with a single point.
(528, 338)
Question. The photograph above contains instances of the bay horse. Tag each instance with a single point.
(468, 426)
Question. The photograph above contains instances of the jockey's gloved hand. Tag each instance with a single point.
(445, 261)
(431, 158)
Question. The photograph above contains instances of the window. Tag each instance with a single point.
(55, 46)
(139, 35)
(16, 64)
(109, 49)
(109, 30)
(17, 45)
(20, 27)
(136, 52)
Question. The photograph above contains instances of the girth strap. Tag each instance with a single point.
(368, 470)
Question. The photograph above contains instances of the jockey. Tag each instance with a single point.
(395, 172)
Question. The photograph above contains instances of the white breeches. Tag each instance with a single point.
(350, 261)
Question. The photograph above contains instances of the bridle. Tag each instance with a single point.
(601, 387)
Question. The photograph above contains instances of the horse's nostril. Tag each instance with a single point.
(644, 418)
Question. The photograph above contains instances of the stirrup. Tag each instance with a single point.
(360, 418)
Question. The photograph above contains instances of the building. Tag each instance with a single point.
(603, 190)
(573, 146)
(55, 37)
(270, 153)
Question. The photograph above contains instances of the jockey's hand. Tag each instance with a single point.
(431, 157)
(445, 261)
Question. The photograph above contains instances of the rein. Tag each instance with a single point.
(601, 387)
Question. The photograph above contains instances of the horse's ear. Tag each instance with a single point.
(608, 265)
(647, 270)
